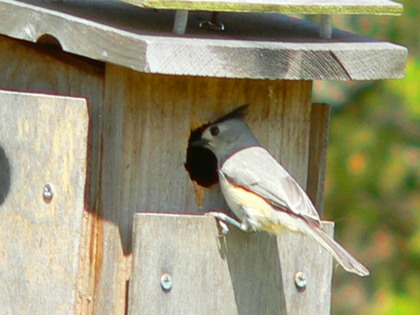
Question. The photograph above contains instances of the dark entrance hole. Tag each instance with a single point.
(201, 163)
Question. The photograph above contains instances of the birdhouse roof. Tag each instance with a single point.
(279, 6)
(253, 45)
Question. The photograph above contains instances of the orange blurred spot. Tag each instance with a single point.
(413, 156)
(383, 244)
(357, 163)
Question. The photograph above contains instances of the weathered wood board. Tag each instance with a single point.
(147, 124)
(318, 145)
(280, 6)
(27, 67)
(244, 273)
(256, 46)
(43, 140)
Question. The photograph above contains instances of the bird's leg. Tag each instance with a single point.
(224, 218)
(247, 224)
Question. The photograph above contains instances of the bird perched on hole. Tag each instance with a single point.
(259, 190)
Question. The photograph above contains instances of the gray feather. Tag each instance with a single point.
(255, 169)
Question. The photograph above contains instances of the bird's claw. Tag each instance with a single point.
(221, 220)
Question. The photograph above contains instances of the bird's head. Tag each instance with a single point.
(228, 135)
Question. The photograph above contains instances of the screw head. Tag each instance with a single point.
(166, 281)
(300, 280)
(48, 192)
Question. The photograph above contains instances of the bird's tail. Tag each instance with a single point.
(343, 257)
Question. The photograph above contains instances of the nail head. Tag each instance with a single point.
(300, 280)
(166, 281)
(48, 192)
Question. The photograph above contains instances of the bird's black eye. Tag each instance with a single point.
(214, 130)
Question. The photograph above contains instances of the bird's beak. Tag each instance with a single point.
(199, 143)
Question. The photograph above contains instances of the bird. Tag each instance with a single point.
(260, 191)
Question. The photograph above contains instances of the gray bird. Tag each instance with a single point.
(259, 190)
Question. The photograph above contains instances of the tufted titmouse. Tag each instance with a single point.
(259, 190)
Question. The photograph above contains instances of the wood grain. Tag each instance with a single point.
(260, 46)
(147, 123)
(44, 69)
(243, 274)
(383, 7)
(318, 146)
(45, 141)
(28, 67)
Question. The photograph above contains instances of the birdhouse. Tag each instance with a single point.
(101, 209)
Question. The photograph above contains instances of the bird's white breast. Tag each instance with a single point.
(258, 213)
(231, 195)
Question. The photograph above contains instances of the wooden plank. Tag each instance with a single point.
(145, 143)
(383, 7)
(37, 68)
(318, 145)
(27, 67)
(260, 46)
(301, 253)
(44, 139)
(242, 274)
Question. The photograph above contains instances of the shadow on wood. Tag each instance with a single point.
(244, 274)
(4, 175)
(255, 273)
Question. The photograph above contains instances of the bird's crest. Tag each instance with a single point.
(238, 113)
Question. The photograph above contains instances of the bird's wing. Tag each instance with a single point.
(256, 170)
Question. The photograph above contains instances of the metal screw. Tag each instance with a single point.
(300, 280)
(48, 192)
(166, 281)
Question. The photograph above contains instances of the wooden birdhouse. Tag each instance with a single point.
(98, 101)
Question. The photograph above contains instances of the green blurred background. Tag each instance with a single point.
(373, 174)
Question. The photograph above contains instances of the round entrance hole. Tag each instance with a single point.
(201, 163)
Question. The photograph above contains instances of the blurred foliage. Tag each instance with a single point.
(373, 175)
